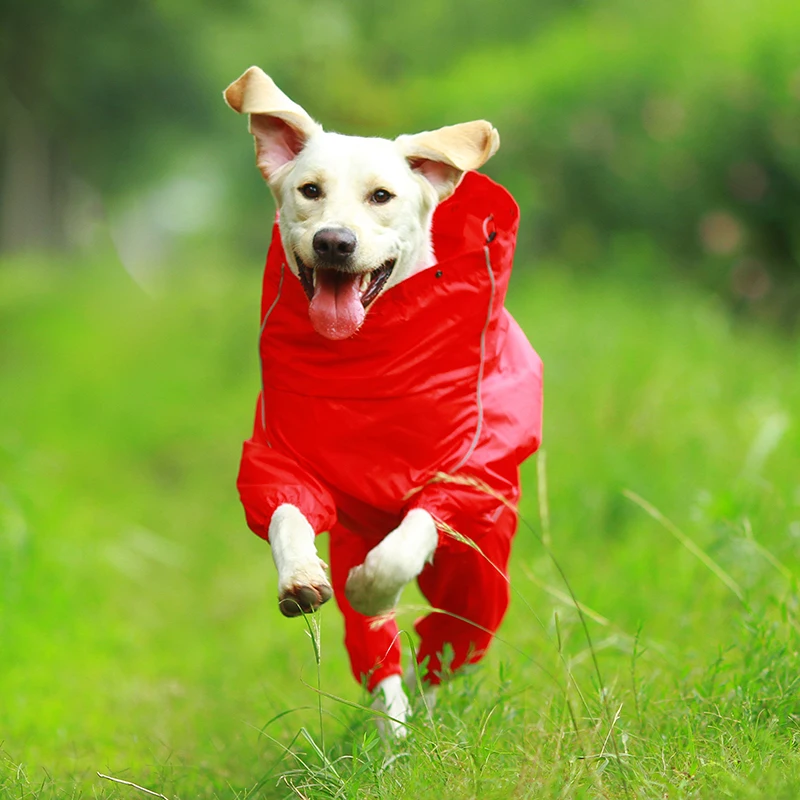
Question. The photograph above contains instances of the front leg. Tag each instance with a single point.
(375, 586)
(302, 584)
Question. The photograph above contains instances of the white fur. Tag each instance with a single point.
(294, 553)
(375, 586)
(348, 170)
(419, 171)
(372, 588)
(390, 699)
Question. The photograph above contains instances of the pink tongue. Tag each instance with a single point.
(336, 311)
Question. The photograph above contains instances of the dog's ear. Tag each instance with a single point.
(280, 127)
(444, 155)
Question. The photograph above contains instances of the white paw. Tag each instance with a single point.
(372, 589)
(375, 586)
(303, 585)
(305, 590)
(391, 700)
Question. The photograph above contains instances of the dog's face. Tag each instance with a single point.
(354, 213)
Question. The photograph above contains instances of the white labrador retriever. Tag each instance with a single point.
(355, 219)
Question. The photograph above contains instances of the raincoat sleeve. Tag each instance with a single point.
(269, 478)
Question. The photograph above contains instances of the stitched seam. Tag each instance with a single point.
(478, 388)
(260, 361)
(383, 398)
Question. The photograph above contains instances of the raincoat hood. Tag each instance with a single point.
(421, 333)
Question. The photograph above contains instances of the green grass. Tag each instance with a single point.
(139, 633)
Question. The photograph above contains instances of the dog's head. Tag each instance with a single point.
(355, 213)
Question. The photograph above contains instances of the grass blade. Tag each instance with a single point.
(696, 551)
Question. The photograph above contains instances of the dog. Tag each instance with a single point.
(398, 395)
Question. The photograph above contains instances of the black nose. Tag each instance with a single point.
(334, 245)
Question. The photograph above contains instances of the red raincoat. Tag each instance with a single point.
(439, 379)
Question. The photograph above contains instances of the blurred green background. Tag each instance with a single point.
(659, 139)
(654, 149)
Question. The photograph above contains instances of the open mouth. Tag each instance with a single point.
(338, 300)
(369, 283)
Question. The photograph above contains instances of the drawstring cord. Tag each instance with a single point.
(260, 360)
(490, 237)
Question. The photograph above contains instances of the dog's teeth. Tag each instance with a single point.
(366, 278)
(314, 278)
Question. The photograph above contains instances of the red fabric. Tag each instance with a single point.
(462, 583)
(353, 431)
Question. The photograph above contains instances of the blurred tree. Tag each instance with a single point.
(647, 137)
(89, 88)
(650, 139)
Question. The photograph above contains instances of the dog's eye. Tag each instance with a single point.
(381, 196)
(310, 191)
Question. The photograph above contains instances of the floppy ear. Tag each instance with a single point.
(444, 155)
(280, 127)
